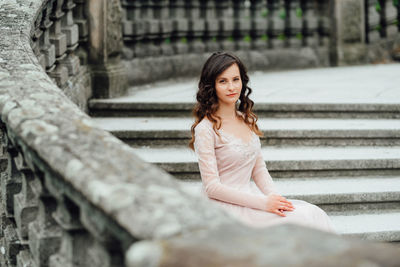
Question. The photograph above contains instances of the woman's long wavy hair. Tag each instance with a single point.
(207, 100)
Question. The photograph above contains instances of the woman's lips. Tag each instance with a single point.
(232, 94)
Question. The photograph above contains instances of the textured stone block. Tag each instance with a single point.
(212, 26)
(43, 242)
(227, 25)
(73, 250)
(60, 43)
(24, 213)
(59, 75)
(392, 30)
(71, 62)
(260, 25)
(11, 244)
(198, 25)
(10, 186)
(72, 34)
(278, 24)
(24, 259)
(82, 27)
(166, 27)
(109, 80)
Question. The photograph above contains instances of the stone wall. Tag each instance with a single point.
(74, 195)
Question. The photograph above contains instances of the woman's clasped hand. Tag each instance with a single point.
(278, 204)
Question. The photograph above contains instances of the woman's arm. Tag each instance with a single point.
(261, 176)
(205, 150)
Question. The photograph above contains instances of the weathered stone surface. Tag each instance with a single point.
(284, 245)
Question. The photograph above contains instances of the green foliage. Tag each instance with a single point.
(282, 13)
(378, 27)
(281, 36)
(395, 2)
(299, 36)
(184, 40)
(230, 39)
(214, 39)
(167, 41)
(396, 22)
(264, 12)
(378, 7)
(247, 38)
(264, 37)
(299, 12)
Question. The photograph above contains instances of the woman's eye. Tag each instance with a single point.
(222, 81)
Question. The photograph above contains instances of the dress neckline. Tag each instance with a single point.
(234, 137)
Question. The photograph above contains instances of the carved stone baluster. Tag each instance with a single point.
(11, 182)
(259, 14)
(25, 202)
(75, 238)
(36, 38)
(59, 39)
(197, 26)
(324, 23)
(295, 24)
(10, 244)
(72, 33)
(391, 18)
(152, 29)
(278, 18)
(166, 28)
(81, 20)
(212, 26)
(180, 26)
(226, 24)
(44, 232)
(104, 249)
(310, 23)
(47, 48)
(243, 24)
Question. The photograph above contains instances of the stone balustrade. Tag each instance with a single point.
(383, 18)
(74, 195)
(164, 38)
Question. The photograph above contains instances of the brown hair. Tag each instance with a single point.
(207, 100)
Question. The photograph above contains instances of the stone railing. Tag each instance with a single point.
(59, 41)
(169, 38)
(164, 38)
(74, 195)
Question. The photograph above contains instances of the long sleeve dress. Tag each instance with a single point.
(227, 164)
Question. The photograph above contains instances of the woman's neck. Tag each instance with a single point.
(227, 112)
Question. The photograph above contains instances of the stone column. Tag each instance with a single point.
(105, 46)
(349, 36)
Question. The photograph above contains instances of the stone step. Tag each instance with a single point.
(375, 226)
(176, 131)
(334, 194)
(369, 91)
(290, 161)
(364, 208)
(125, 108)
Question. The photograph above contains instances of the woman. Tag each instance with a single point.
(226, 140)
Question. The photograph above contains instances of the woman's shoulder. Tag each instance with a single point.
(204, 124)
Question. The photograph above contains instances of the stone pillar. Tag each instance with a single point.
(349, 36)
(105, 46)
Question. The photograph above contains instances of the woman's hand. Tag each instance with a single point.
(277, 204)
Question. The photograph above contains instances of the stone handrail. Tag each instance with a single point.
(74, 195)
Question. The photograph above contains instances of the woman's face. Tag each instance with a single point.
(228, 85)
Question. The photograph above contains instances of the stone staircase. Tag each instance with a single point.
(331, 137)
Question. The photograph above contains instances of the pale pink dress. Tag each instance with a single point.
(226, 166)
